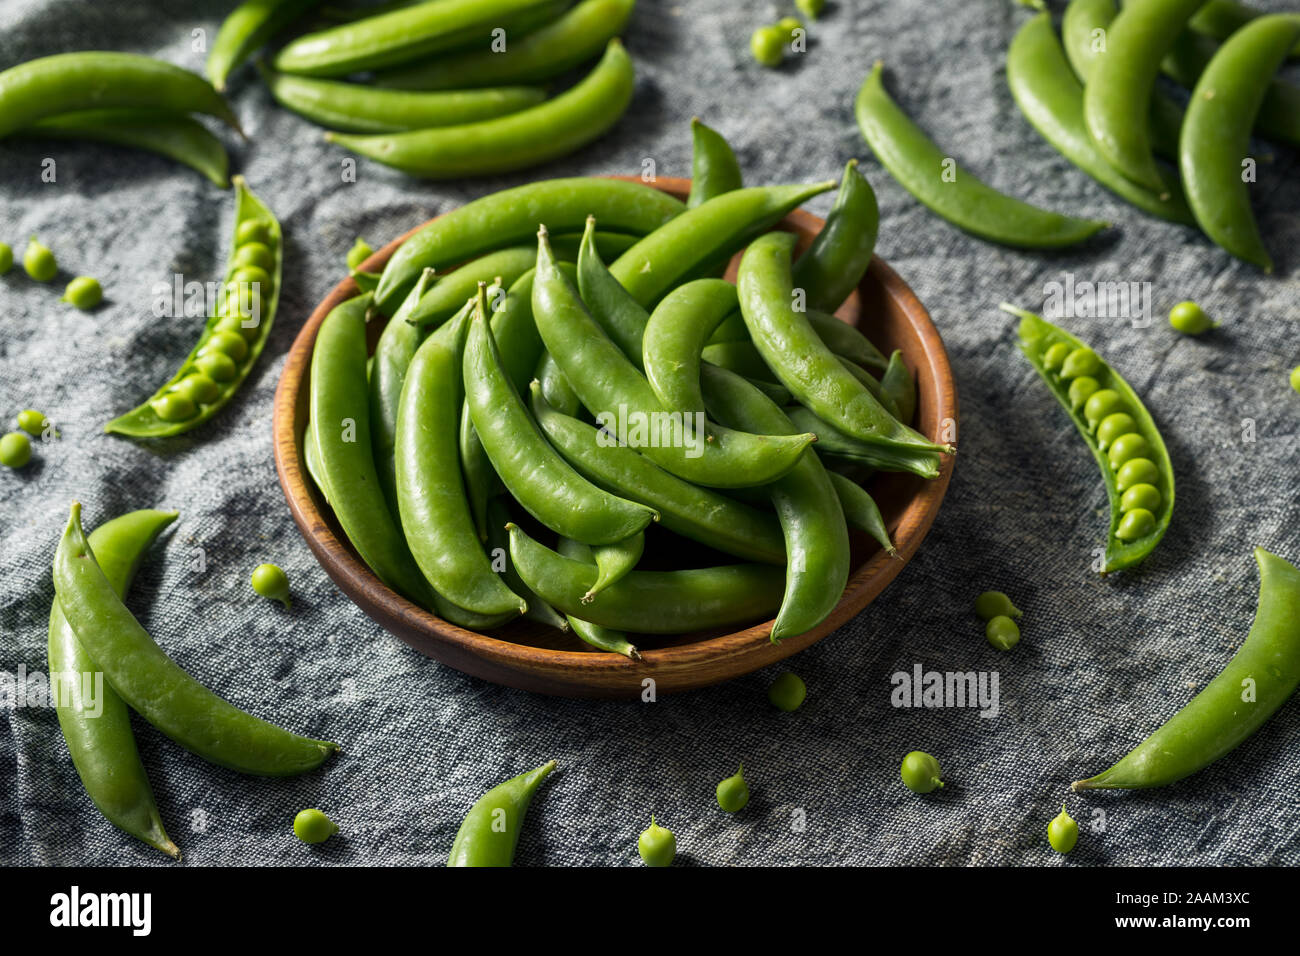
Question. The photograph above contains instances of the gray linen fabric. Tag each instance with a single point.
(1102, 662)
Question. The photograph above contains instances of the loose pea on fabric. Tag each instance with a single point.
(787, 691)
(657, 845)
(15, 450)
(313, 826)
(39, 261)
(920, 772)
(271, 582)
(1063, 832)
(733, 792)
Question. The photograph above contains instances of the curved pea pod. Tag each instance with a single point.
(675, 338)
(714, 169)
(232, 338)
(556, 390)
(812, 520)
(98, 730)
(245, 29)
(833, 442)
(861, 511)
(650, 602)
(511, 216)
(1118, 430)
(601, 638)
(610, 385)
(1223, 715)
(898, 386)
(498, 540)
(621, 317)
(154, 686)
(686, 509)
(490, 831)
(839, 255)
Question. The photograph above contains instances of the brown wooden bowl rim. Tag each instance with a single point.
(445, 641)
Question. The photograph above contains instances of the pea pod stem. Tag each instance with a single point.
(153, 684)
(98, 732)
(1258, 680)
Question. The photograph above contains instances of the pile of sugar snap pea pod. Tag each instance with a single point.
(644, 402)
(1094, 97)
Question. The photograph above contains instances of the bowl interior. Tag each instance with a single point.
(525, 653)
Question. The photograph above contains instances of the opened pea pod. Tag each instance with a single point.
(1118, 430)
(233, 337)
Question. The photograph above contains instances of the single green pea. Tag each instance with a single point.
(920, 772)
(39, 261)
(251, 277)
(257, 254)
(228, 343)
(733, 793)
(6, 257)
(1190, 319)
(1002, 632)
(1138, 523)
(812, 9)
(1063, 832)
(84, 293)
(787, 691)
(991, 604)
(1140, 496)
(787, 25)
(1081, 389)
(15, 450)
(217, 366)
(173, 407)
(32, 422)
(312, 826)
(1137, 471)
(1295, 378)
(253, 230)
(657, 845)
(271, 582)
(1126, 448)
(358, 254)
(768, 45)
(1055, 356)
(1082, 361)
(234, 324)
(1100, 404)
(241, 300)
(198, 388)
(1113, 426)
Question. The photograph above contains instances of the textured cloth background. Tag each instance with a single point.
(1102, 663)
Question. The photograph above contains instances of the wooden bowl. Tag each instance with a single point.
(527, 655)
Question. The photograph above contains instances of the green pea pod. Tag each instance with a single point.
(511, 216)
(900, 388)
(1216, 133)
(407, 34)
(705, 236)
(802, 362)
(95, 80)
(622, 399)
(176, 137)
(846, 341)
(601, 638)
(614, 561)
(340, 422)
(555, 388)
(534, 473)
(498, 539)
(714, 169)
(1119, 89)
(1220, 19)
(573, 38)
(232, 339)
(311, 458)
(675, 337)
(357, 108)
(618, 314)
(431, 496)
(552, 129)
(481, 481)
(98, 729)
(154, 686)
(652, 602)
(1051, 98)
(839, 255)
(1278, 117)
(816, 536)
(928, 173)
(1084, 30)
(684, 508)
(490, 831)
(833, 442)
(1138, 518)
(876, 387)
(394, 350)
(861, 511)
(1223, 715)
(247, 28)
